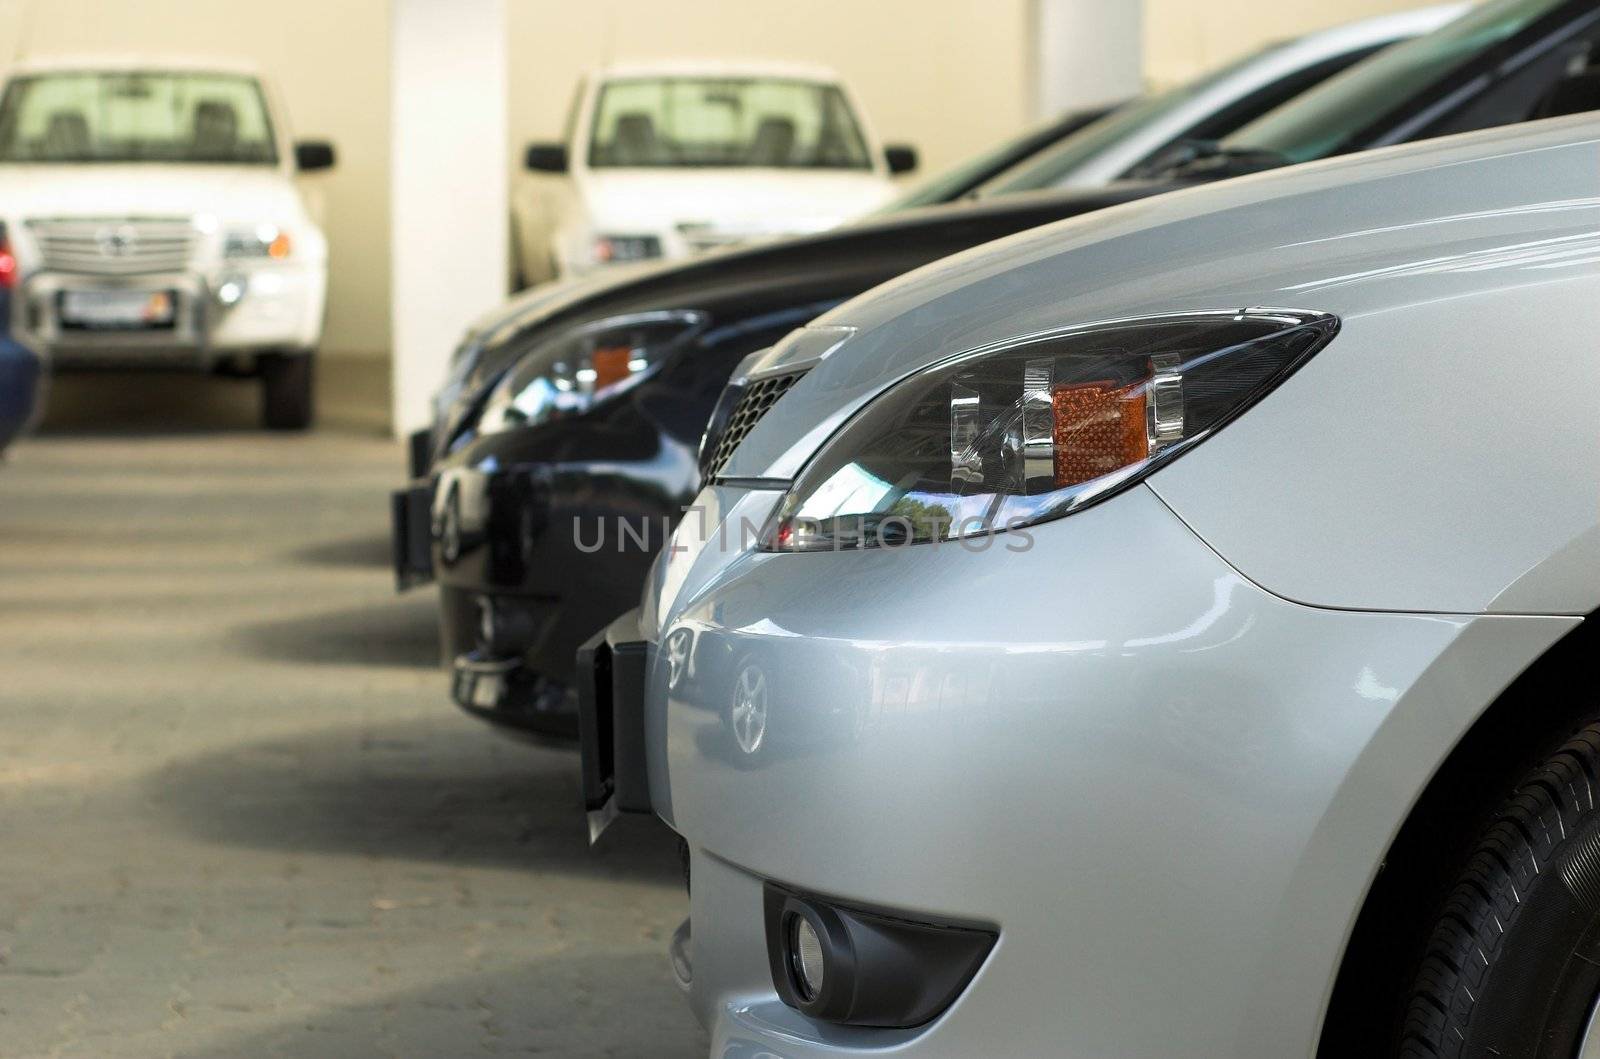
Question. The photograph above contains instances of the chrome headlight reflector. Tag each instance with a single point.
(585, 366)
(1036, 428)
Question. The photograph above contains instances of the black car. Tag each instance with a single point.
(597, 423)
(553, 484)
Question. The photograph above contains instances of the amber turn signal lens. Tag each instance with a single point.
(1099, 428)
(610, 364)
(278, 249)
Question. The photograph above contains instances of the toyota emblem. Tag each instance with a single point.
(115, 242)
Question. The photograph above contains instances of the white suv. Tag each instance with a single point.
(663, 160)
(153, 216)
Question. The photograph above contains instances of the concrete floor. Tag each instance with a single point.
(238, 815)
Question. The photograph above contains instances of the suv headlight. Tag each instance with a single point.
(585, 366)
(614, 249)
(266, 241)
(1039, 427)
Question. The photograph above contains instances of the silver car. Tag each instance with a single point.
(1157, 634)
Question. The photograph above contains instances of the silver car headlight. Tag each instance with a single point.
(1038, 427)
(585, 366)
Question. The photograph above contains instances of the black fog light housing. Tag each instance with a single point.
(860, 967)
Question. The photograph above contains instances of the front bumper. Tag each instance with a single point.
(280, 309)
(569, 543)
(504, 692)
(1168, 788)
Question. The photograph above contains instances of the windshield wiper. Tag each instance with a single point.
(1208, 159)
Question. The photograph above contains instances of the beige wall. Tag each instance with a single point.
(1183, 38)
(949, 76)
(330, 61)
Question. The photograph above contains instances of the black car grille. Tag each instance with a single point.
(758, 396)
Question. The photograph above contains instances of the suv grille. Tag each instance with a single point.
(114, 246)
(758, 397)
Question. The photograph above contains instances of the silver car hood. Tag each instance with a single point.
(1354, 236)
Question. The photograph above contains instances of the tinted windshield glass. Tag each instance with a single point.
(953, 182)
(698, 121)
(135, 117)
(1050, 168)
(1324, 120)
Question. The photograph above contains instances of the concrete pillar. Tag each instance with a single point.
(448, 180)
(1085, 52)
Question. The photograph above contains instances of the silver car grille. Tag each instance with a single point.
(114, 246)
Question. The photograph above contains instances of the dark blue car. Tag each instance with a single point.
(19, 367)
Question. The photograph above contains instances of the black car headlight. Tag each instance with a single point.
(586, 365)
(1032, 429)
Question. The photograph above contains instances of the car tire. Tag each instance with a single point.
(1511, 966)
(286, 390)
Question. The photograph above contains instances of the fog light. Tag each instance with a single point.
(858, 967)
(231, 290)
(810, 969)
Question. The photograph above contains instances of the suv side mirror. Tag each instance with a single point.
(311, 155)
(902, 157)
(546, 157)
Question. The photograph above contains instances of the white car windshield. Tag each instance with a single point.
(723, 121)
(136, 116)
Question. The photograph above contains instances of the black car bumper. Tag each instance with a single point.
(611, 687)
(560, 548)
(504, 692)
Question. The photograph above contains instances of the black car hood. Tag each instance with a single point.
(859, 255)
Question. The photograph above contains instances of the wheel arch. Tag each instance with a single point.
(1527, 721)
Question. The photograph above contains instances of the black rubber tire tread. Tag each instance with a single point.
(1485, 925)
(287, 401)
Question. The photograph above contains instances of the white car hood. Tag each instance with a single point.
(735, 202)
(145, 189)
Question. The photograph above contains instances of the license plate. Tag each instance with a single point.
(118, 310)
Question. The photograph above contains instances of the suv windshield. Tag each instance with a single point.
(721, 121)
(135, 117)
(1325, 120)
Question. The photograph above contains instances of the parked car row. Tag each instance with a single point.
(1141, 618)
(522, 443)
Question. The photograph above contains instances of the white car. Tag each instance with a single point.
(153, 215)
(664, 160)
